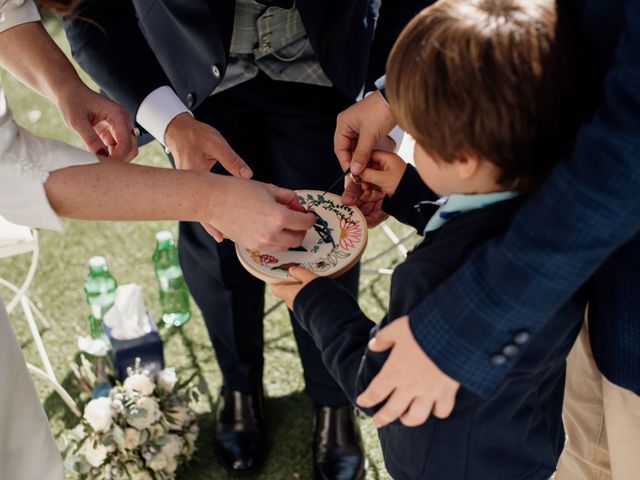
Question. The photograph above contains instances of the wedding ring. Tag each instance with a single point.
(135, 131)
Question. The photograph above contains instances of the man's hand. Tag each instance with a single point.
(103, 125)
(198, 146)
(359, 128)
(411, 386)
(256, 215)
(289, 291)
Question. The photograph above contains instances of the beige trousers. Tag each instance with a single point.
(602, 422)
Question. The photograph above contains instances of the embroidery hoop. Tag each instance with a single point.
(348, 229)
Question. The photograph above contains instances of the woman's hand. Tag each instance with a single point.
(103, 125)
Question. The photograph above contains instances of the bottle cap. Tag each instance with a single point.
(97, 261)
(164, 236)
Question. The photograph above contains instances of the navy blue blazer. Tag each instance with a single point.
(132, 47)
(521, 421)
(585, 220)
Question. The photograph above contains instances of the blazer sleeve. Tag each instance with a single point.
(108, 44)
(404, 205)
(584, 212)
(341, 332)
(393, 17)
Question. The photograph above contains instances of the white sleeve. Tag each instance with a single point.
(16, 12)
(157, 110)
(25, 164)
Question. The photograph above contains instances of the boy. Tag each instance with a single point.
(484, 88)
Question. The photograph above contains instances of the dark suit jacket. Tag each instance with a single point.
(521, 421)
(585, 219)
(130, 48)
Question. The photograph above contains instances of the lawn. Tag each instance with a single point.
(58, 291)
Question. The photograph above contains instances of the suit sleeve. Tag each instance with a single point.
(393, 17)
(107, 43)
(585, 211)
(410, 192)
(341, 332)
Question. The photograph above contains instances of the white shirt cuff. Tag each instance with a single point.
(158, 109)
(397, 135)
(11, 16)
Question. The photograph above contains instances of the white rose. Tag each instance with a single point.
(180, 417)
(131, 438)
(167, 379)
(139, 473)
(98, 414)
(158, 463)
(173, 447)
(95, 455)
(151, 413)
(172, 465)
(139, 383)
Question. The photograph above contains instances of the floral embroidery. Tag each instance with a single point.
(350, 234)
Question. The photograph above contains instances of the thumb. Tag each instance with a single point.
(384, 339)
(302, 274)
(232, 162)
(362, 153)
(89, 136)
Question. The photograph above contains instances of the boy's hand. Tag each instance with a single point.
(287, 291)
(411, 386)
(384, 171)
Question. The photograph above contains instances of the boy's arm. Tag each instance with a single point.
(341, 331)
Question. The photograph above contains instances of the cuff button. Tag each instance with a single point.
(521, 338)
(498, 360)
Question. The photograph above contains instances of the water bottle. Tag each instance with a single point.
(100, 288)
(174, 296)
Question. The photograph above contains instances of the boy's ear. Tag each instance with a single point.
(467, 166)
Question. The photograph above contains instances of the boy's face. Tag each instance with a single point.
(441, 177)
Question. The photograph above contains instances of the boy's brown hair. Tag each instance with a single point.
(487, 77)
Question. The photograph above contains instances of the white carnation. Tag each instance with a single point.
(167, 379)
(131, 438)
(173, 447)
(139, 383)
(151, 413)
(95, 455)
(98, 414)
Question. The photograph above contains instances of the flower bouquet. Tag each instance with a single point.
(143, 430)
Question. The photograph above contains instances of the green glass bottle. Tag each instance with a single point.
(174, 296)
(100, 288)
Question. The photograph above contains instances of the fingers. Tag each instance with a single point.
(418, 412)
(90, 138)
(378, 390)
(343, 139)
(376, 177)
(217, 235)
(392, 409)
(352, 192)
(361, 155)
(126, 147)
(444, 406)
(230, 160)
(383, 340)
(302, 274)
(295, 219)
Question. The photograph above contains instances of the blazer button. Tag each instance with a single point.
(510, 350)
(521, 338)
(191, 99)
(498, 360)
(215, 71)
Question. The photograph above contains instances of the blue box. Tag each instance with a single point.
(147, 347)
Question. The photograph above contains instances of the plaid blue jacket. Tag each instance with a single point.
(587, 211)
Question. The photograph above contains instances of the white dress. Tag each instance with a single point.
(27, 448)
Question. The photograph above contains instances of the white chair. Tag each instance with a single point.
(18, 240)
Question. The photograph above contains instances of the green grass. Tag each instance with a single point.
(58, 291)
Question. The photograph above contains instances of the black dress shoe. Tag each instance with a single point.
(239, 432)
(337, 446)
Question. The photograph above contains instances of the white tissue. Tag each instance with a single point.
(128, 316)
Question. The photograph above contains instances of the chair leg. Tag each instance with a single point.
(66, 398)
(37, 338)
